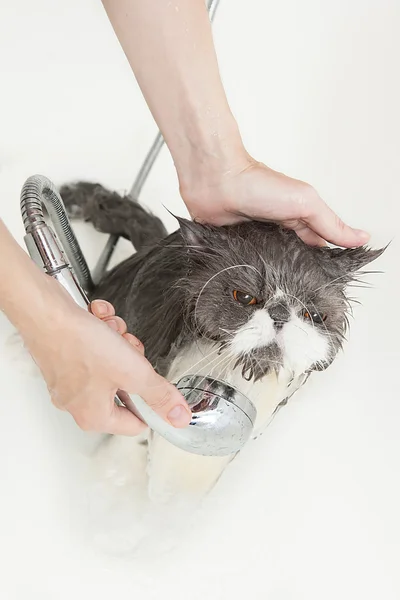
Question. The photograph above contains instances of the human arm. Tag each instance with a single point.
(82, 360)
(170, 49)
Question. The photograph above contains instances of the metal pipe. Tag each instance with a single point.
(136, 188)
(140, 180)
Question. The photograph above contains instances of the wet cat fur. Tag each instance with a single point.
(178, 288)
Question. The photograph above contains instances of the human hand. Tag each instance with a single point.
(219, 182)
(85, 360)
(246, 189)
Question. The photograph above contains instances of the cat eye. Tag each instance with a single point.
(314, 317)
(244, 298)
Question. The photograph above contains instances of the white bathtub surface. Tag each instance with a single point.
(311, 510)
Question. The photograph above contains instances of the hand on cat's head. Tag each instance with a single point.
(251, 190)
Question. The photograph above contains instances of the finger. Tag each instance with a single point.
(133, 340)
(123, 422)
(117, 324)
(105, 416)
(160, 395)
(308, 236)
(325, 223)
(101, 309)
(164, 398)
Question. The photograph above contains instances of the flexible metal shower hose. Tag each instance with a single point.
(38, 191)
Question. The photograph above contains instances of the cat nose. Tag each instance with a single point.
(280, 315)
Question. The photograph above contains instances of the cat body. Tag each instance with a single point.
(249, 304)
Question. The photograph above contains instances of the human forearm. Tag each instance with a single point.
(81, 360)
(170, 49)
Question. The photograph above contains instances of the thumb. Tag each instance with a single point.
(324, 222)
(161, 395)
(167, 401)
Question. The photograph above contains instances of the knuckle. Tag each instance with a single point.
(310, 200)
(137, 342)
(55, 400)
(163, 400)
(88, 422)
(83, 422)
(58, 400)
(340, 225)
(300, 195)
(309, 193)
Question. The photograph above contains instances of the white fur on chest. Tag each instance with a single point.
(176, 474)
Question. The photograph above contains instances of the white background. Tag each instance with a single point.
(311, 510)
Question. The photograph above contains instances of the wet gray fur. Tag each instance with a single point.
(169, 297)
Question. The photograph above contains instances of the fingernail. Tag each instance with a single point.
(101, 308)
(113, 324)
(179, 416)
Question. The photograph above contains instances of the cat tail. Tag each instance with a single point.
(112, 213)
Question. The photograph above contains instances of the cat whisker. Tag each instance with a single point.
(254, 357)
(229, 366)
(216, 275)
(227, 331)
(327, 333)
(346, 275)
(301, 329)
(221, 366)
(224, 358)
(330, 282)
(183, 246)
(209, 369)
(200, 361)
(300, 302)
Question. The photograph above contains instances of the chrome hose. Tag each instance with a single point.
(39, 192)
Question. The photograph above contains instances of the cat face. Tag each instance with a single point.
(275, 302)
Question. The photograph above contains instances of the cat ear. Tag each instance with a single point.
(194, 233)
(349, 260)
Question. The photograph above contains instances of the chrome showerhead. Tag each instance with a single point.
(222, 417)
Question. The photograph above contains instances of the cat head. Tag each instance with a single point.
(274, 301)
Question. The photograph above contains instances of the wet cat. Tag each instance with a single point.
(249, 303)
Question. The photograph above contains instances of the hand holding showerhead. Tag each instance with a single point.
(222, 417)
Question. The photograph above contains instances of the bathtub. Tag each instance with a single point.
(310, 509)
